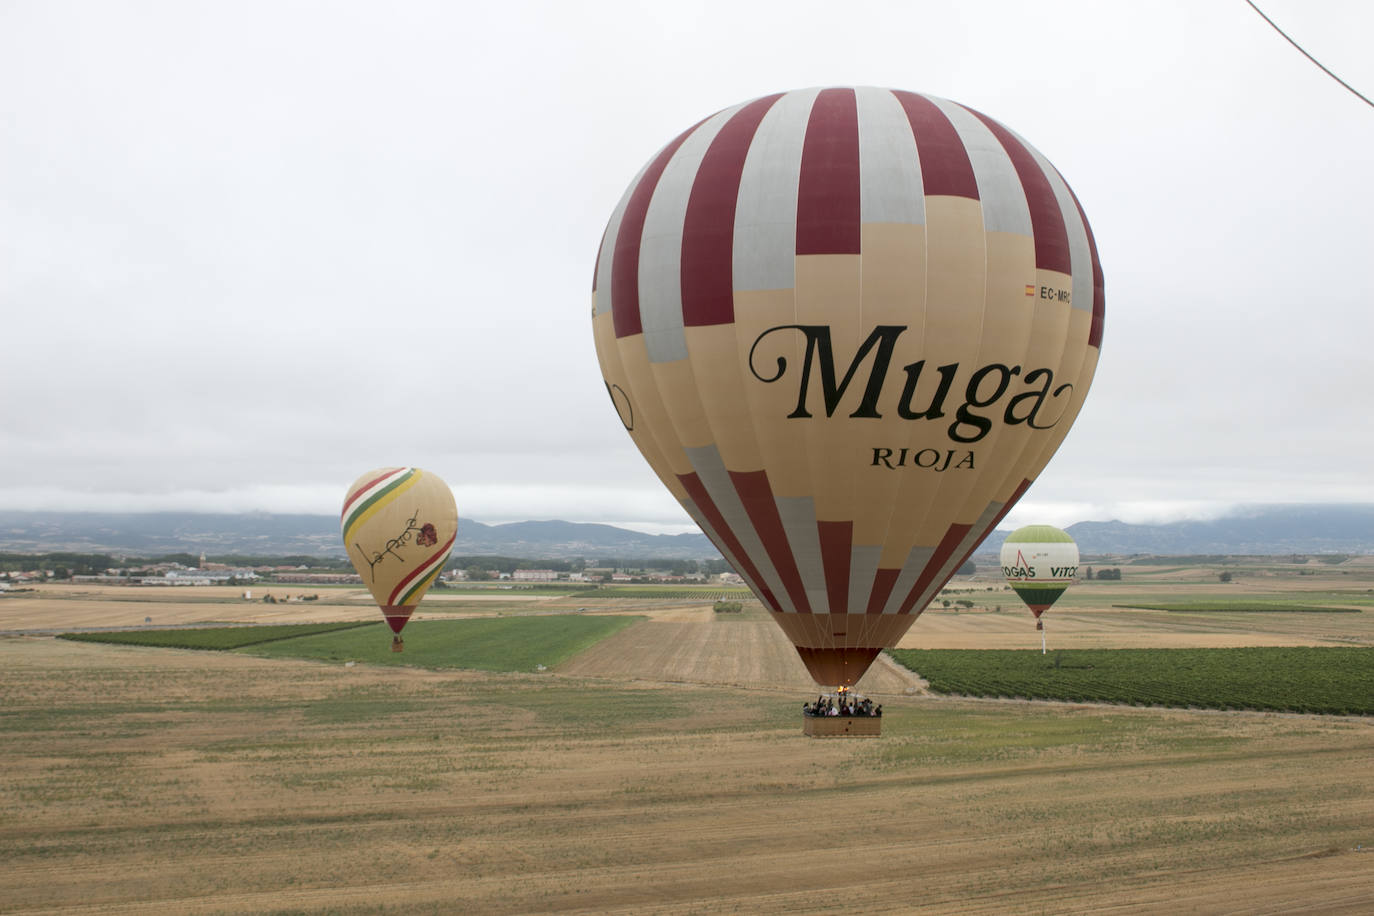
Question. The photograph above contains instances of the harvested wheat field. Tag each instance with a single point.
(1095, 614)
(661, 771)
(693, 645)
(73, 607)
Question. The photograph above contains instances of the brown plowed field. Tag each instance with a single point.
(663, 772)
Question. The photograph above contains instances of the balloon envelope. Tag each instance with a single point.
(398, 526)
(847, 328)
(1039, 563)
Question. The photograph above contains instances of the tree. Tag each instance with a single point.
(477, 574)
(1225, 577)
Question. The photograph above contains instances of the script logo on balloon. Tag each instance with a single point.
(983, 387)
(423, 534)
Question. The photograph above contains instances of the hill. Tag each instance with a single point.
(1250, 531)
(1273, 530)
(1268, 530)
(262, 534)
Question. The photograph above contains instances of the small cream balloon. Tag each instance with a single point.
(398, 526)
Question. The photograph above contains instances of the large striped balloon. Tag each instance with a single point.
(847, 328)
(398, 527)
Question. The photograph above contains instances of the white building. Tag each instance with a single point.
(534, 575)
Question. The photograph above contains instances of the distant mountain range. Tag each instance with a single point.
(564, 540)
(1255, 530)
(260, 534)
(1249, 531)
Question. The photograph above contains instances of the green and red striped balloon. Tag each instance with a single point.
(398, 526)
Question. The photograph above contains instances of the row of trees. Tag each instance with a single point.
(65, 564)
(80, 564)
(68, 563)
(578, 564)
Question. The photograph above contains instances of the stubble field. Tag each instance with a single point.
(663, 770)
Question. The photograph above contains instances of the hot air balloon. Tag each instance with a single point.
(1039, 562)
(847, 328)
(398, 527)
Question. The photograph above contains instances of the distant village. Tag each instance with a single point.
(156, 574)
(206, 572)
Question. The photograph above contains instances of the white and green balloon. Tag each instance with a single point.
(1039, 563)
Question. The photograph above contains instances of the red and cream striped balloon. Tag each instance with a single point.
(398, 526)
(847, 328)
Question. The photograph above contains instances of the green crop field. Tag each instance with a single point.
(500, 644)
(1241, 606)
(214, 638)
(484, 644)
(1330, 680)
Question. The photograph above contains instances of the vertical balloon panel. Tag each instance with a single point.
(852, 325)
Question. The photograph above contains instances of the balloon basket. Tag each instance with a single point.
(858, 717)
(397, 645)
(842, 727)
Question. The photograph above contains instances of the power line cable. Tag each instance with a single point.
(1309, 56)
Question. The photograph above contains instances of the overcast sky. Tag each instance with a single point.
(249, 250)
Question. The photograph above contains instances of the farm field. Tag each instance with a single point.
(61, 606)
(662, 770)
(516, 643)
(1332, 679)
(1107, 614)
(144, 781)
